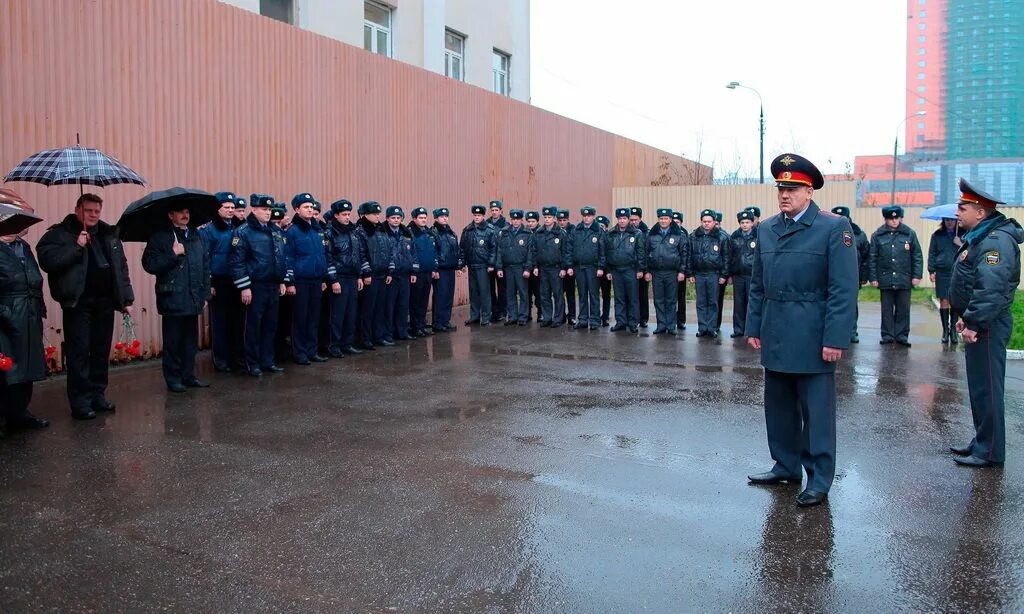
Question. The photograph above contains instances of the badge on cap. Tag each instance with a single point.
(787, 161)
(847, 238)
(992, 258)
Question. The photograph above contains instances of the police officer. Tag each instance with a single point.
(498, 296)
(636, 215)
(863, 245)
(756, 212)
(894, 267)
(605, 282)
(627, 260)
(514, 263)
(707, 260)
(666, 266)
(677, 218)
(588, 263)
(283, 334)
(569, 281)
(240, 213)
(533, 285)
(942, 251)
(177, 256)
(307, 248)
(802, 295)
(407, 269)
(477, 244)
(343, 273)
(377, 268)
(426, 254)
(985, 278)
(225, 303)
(744, 242)
(552, 256)
(259, 267)
(449, 262)
(721, 289)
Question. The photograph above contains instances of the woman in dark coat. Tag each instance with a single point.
(21, 331)
(941, 257)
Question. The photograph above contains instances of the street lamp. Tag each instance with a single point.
(735, 84)
(895, 144)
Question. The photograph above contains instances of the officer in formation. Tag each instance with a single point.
(225, 299)
(677, 217)
(895, 264)
(449, 262)
(587, 268)
(552, 258)
(345, 277)
(863, 245)
(240, 212)
(945, 243)
(514, 261)
(626, 260)
(569, 281)
(407, 269)
(606, 281)
(308, 252)
(497, 284)
(636, 219)
(477, 243)
(377, 269)
(744, 243)
(708, 259)
(802, 295)
(984, 280)
(719, 216)
(533, 286)
(419, 290)
(667, 251)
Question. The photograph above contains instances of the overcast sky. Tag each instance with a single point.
(831, 73)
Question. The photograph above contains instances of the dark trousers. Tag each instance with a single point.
(517, 307)
(986, 382)
(895, 315)
(800, 413)
(226, 324)
(261, 325)
(419, 300)
(371, 303)
(627, 297)
(533, 287)
(323, 332)
(14, 399)
(88, 329)
(681, 304)
(283, 334)
(606, 298)
(552, 308)
(707, 301)
(344, 314)
(643, 294)
(181, 341)
(398, 304)
(499, 296)
(479, 295)
(666, 294)
(590, 296)
(444, 298)
(720, 306)
(306, 320)
(569, 288)
(740, 294)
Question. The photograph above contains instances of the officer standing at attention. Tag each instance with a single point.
(477, 244)
(552, 256)
(636, 215)
(225, 304)
(533, 285)
(569, 281)
(307, 248)
(407, 269)
(627, 261)
(497, 287)
(707, 260)
(346, 262)
(426, 255)
(860, 241)
(605, 281)
(666, 266)
(513, 261)
(756, 212)
(802, 295)
(721, 289)
(677, 218)
(895, 263)
(588, 263)
(449, 262)
(259, 267)
(377, 268)
(744, 242)
(240, 212)
(985, 278)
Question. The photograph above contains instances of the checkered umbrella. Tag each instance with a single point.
(73, 165)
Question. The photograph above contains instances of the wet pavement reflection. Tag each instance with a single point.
(512, 469)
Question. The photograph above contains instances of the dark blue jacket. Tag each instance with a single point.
(346, 252)
(666, 252)
(708, 252)
(625, 249)
(377, 250)
(895, 258)
(425, 248)
(551, 248)
(217, 235)
(515, 249)
(742, 252)
(258, 254)
(477, 244)
(987, 271)
(587, 246)
(942, 252)
(449, 255)
(404, 256)
(182, 282)
(307, 248)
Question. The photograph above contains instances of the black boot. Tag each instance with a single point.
(954, 337)
(944, 318)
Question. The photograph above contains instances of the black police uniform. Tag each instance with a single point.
(449, 261)
(407, 266)
(477, 245)
(419, 292)
(569, 281)
(587, 259)
(742, 264)
(513, 258)
(985, 278)
(378, 265)
(707, 260)
(499, 297)
(533, 285)
(863, 245)
(307, 248)
(894, 261)
(722, 287)
(225, 306)
(552, 255)
(344, 269)
(626, 256)
(681, 286)
(643, 286)
(942, 252)
(666, 261)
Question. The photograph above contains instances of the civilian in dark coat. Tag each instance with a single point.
(941, 259)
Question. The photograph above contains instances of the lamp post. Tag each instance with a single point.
(895, 144)
(735, 84)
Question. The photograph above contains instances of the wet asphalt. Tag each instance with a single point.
(512, 470)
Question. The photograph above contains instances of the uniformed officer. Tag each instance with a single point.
(677, 218)
(498, 296)
(225, 303)
(985, 278)
(426, 254)
(377, 268)
(283, 334)
(756, 211)
(627, 260)
(719, 216)
(588, 264)
(744, 242)
(449, 263)
(343, 273)
(240, 213)
(636, 215)
(707, 260)
(407, 269)
(533, 285)
(307, 248)
(863, 245)
(569, 281)
(477, 244)
(895, 263)
(552, 256)
(513, 260)
(259, 267)
(941, 256)
(802, 295)
(666, 266)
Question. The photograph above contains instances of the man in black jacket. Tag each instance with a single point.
(744, 244)
(497, 284)
(666, 267)
(477, 245)
(707, 262)
(449, 263)
(895, 265)
(860, 241)
(88, 276)
(636, 215)
(178, 257)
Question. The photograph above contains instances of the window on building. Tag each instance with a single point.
(281, 10)
(921, 101)
(454, 58)
(920, 125)
(922, 14)
(920, 76)
(499, 73)
(921, 51)
(922, 38)
(377, 28)
(922, 26)
(921, 64)
(920, 88)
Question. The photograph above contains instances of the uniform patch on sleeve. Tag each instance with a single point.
(847, 238)
(992, 258)
(234, 240)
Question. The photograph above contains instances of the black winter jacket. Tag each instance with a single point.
(67, 263)
(182, 282)
(587, 246)
(625, 249)
(477, 244)
(708, 252)
(551, 248)
(346, 252)
(515, 249)
(376, 249)
(449, 254)
(404, 255)
(666, 252)
(21, 315)
(942, 252)
(742, 251)
(895, 258)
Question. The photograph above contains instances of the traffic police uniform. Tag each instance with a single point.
(985, 278)
(721, 287)
(863, 245)
(677, 218)
(477, 244)
(407, 266)
(569, 281)
(419, 292)
(225, 304)
(894, 261)
(499, 298)
(643, 286)
(449, 260)
(240, 214)
(605, 284)
(513, 258)
(587, 260)
(552, 255)
(666, 261)
(743, 246)
(533, 285)
(378, 265)
(802, 295)
(307, 248)
(346, 261)
(707, 260)
(626, 256)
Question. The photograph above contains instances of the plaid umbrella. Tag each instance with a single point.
(73, 165)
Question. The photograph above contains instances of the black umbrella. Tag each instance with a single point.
(149, 214)
(14, 219)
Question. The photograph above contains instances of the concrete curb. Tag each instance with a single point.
(1010, 354)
